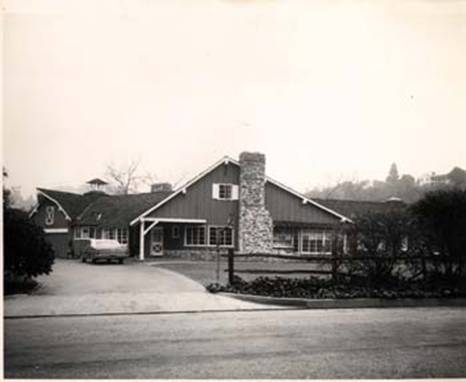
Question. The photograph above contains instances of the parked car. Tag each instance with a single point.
(104, 249)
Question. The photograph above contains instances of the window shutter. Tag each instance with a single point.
(215, 191)
(235, 192)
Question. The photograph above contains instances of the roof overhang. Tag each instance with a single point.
(175, 220)
(60, 207)
(225, 161)
(183, 189)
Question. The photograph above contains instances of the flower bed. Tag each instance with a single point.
(317, 288)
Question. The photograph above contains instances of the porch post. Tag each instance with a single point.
(141, 241)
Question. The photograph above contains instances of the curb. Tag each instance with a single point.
(349, 303)
(149, 313)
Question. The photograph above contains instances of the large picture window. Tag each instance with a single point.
(316, 242)
(283, 238)
(222, 236)
(195, 235)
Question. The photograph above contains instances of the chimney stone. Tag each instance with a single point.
(157, 187)
(255, 222)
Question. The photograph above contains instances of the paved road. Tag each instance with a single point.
(364, 343)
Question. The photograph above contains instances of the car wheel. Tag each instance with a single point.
(94, 261)
(120, 261)
(83, 259)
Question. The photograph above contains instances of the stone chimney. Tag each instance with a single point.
(157, 187)
(255, 231)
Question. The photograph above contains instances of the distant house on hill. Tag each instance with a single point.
(456, 178)
(231, 204)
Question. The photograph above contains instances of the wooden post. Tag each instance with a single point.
(424, 269)
(334, 267)
(218, 231)
(141, 241)
(231, 266)
(334, 257)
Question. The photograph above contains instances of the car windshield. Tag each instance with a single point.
(105, 244)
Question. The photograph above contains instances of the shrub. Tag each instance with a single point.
(441, 215)
(26, 251)
(381, 237)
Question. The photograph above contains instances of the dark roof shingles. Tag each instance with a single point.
(72, 203)
(118, 210)
(353, 208)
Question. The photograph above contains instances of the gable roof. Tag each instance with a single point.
(354, 208)
(69, 203)
(181, 189)
(118, 210)
(226, 160)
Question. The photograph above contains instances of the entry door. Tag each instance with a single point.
(156, 242)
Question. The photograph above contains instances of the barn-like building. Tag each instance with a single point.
(231, 204)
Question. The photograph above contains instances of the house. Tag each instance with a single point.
(232, 204)
(456, 178)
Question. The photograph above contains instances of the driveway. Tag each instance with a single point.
(74, 288)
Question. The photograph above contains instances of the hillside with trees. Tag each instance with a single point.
(406, 187)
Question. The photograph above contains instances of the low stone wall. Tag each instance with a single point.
(204, 254)
(210, 254)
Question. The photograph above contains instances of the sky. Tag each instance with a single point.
(327, 90)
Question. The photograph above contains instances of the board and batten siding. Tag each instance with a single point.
(198, 203)
(39, 217)
(59, 241)
(284, 206)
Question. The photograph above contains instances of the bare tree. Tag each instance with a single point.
(126, 178)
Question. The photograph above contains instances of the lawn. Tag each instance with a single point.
(205, 273)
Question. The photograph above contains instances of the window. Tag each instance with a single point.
(222, 236)
(122, 235)
(316, 242)
(175, 232)
(296, 241)
(225, 191)
(195, 235)
(283, 238)
(108, 233)
(49, 215)
(85, 233)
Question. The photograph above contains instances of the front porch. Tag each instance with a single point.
(155, 237)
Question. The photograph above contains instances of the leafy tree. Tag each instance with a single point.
(441, 215)
(457, 177)
(26, 251)
(393, 176)
(381, 237)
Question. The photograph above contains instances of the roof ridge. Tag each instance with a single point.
(349, 200)
(62, 192)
